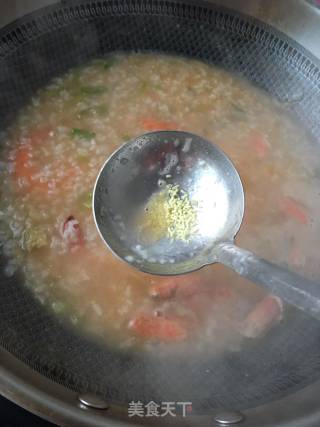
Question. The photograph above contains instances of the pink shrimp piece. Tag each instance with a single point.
(295, 210)
(71, 233)
(164, 290)
(262, 317)
(158, 328)
(182, 286)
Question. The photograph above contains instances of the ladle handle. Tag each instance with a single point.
(291, 287)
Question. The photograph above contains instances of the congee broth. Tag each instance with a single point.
(49, 163)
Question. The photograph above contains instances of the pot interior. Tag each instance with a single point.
(46, 44)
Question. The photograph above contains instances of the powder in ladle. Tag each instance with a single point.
(170, 213)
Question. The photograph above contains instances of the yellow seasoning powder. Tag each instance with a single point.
(169, 213)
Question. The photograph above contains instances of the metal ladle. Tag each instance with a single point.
(143, 166)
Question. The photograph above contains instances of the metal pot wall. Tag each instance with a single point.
(299, 20)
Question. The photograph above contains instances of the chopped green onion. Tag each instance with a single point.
(86, 199)
(109, 62)
(83, 157)
(33, 238)
(82, 134)
(93, 90)
(126, 137)
(100, 110)
(58, 307)
(144, 86)
(237, 108)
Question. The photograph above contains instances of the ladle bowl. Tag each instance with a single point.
(142, 167)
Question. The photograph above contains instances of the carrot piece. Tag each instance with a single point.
(262, 317)
(22, 169)
(152, 124)
(257, 141)
(164, 290)
(39, 135)
(182, 286)
(158, 328)
(27, 173)
(295, 210)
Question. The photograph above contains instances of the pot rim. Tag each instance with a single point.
(56, 403)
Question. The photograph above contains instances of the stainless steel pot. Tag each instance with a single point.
(300, 21)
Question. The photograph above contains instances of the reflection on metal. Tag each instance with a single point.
(227, 418)
(298, 19)
(315, 3)
(92, 401)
